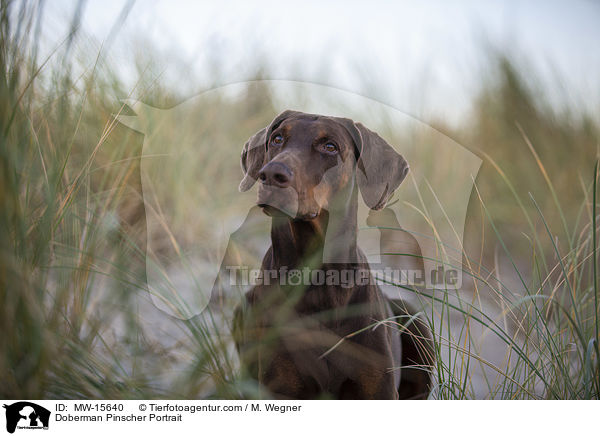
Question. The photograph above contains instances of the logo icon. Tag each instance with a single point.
(26, 415)
(191, 243)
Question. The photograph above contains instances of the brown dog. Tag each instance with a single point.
(314, 326)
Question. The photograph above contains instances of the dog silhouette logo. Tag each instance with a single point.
(201, 215)
(26, 415)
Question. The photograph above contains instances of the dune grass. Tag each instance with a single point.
(73, 244)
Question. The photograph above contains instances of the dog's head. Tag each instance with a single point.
(306, 163)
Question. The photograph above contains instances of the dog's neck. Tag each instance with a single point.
(328, 239)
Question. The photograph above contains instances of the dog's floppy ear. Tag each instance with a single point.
(254, 151)
(253, 156)
(380, 169)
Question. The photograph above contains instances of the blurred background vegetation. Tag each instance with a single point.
(73, 234)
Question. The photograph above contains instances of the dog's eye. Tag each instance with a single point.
(277, 140)
(330, 148)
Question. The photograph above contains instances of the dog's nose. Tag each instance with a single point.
(276, 174)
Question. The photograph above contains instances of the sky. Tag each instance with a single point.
(427, 58)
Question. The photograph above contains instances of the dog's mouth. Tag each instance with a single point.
(278, 202)
(272, 211)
